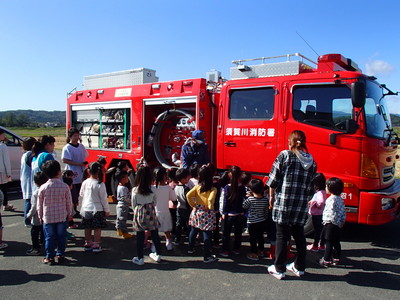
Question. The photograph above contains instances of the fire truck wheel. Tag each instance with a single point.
(308, 227)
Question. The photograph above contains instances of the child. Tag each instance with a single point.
(121, 166)
(183, 210)
(317, 204)
(37, 228)
(25, 175)
(94, 208)
(144, 200)
(333, 219)
(2, 244)
(165, 194)
(234, 194)
(257, 207)
(201, 198)
(55, 205)
(123, 197)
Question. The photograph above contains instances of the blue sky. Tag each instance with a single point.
(48, 46)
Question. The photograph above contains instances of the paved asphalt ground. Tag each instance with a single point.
(370, 269)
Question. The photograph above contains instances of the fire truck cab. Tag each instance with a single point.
(247, 121)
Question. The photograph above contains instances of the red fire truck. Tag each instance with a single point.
(247, 120)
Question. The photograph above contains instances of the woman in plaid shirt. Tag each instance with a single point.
(290, 190)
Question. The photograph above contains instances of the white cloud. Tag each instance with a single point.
(378, 67)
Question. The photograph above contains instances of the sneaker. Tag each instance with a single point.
(236, 252)
(138, 261)
(73, 226)
(210, 259)
(155, 257)
(224, 254)
(312, 248)
(252, 256)
(169, 246)
(96, 248)
(3, 245)
(47, 261)
(321, 248)
(88, 247)
(272, 271)
(33, 252)
(176, 242)
(293, 269)
(8, 207)
(324, 263)
(191, 251)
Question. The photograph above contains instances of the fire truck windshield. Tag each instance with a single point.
(377, 118)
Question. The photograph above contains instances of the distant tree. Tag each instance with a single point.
(22, 120)
(10, 120)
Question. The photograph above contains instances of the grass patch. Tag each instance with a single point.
(37, 132)
(58, 133)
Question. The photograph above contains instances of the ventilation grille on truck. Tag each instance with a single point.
(388, 174)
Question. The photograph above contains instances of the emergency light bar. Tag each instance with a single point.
(345, 63)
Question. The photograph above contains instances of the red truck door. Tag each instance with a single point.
(248, 134)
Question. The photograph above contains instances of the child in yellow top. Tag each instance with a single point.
(202, 218)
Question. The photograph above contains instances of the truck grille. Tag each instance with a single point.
(388, 174)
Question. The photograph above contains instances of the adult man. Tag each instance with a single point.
(194, 151)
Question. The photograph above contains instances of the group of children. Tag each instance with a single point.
(175, 202)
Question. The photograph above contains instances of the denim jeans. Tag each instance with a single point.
(206, 239)
(140, 242)
(55, 233)
(237, 223)
(283, 233)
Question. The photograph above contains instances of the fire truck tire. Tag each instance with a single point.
(156, 132)
(308, 227)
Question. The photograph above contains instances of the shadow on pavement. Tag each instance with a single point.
(17, 277)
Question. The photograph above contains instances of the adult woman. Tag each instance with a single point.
(5, 170)
(74, 156)
(290, 182)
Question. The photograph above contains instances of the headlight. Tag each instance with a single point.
(387, 203)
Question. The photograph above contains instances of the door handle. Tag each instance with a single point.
(230, 144)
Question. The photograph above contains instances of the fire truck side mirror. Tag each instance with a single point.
(358, 94)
